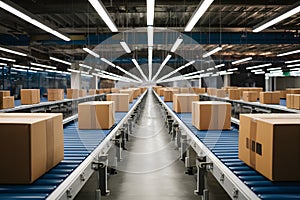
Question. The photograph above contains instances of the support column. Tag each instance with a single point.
(200, 82)
(227, 80)
(274, 83)
(94, 82)
(267, 83)
(75, 80)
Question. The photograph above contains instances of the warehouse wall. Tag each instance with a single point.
(287, 82)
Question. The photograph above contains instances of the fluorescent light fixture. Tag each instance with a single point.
(85, 66)
(87, 75)
(150, 57)
(41, 65)
(190, 63)
(241, 61)
(91, 52)
(217, 74)
(139, 68)
(150, 12)
(259, 66)
(21, 66)
(161, 66)
(67, 73)
(61, 61)
(102, 12)
(176, 44)
(125, 46)
(97, 70)
(295, 69)
(220, 65)
(259, 72)
(291, 61)
(233, 69)
(12, 51)
(210, 69)
(228, 73)
(219, 48)
(274, 68)
(177, 70)
(276, 71)
(84, 72)
(73, 70)
(8, 59)
(150, 36)
(197, 72)
(108, 62)
(294, 65)
(289, 53)
(32, 21)
(19, 70)
(3, 64)
(277, 19)
(203, 6)
(37, 69)
(256, 70)
(130, 74)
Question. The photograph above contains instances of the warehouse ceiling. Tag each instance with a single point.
(226, 22)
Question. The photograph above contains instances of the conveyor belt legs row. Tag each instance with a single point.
(202, 170)
(101, 167)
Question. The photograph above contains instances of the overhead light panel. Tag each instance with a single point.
(32, 21)
(190, 63)
(210, 69)
(241, 61)
(61, 61)
(150, 36)
(193, 73)
(150, 57)
(259, 66)
(21, 66)
(41, 65)
(139, 68)
(125, 47)
(289, 53)
(91, 52)
(295, 69)
(37, 69)
(277, 19)
(177, 70)
(220, 65)
(219, 48)
(274, 68)
(150, 12)
(85, 66)
(233, 69)
(12, 51)
(7, 59)
(161, 66)
(128, 73)
(108, 62)
(102, 12)
(291, 61)
(294, 65)
(73, 70)
(256, 70)
(3, 64)
(259, 72)
(203, 6)
(176, 44)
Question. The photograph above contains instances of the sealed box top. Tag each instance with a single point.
(211, 103)
(97, 103)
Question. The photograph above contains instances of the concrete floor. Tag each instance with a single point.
(150, 168)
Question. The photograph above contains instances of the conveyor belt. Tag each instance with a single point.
(78, 145)
(224, 145)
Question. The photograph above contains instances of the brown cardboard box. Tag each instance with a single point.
(168, 94)
(96, 115)
(269, 97)
(283, 94)
(107, 90)
(121, 101)
(184, 90)
(296, 102)
(30, 96)
(220, 93)
(143, 89)
(160, 91)
(211, 115)
(211, 91)
(55, 94)
(183, 102)
(234, 94)
(100, 91)
(92, 92)
(293, 90)
(7, 102)
(4, 93)
(135, 92)
(39, 146)
(250, 96)
(155, 88)
(115, 90)
(264, 147)
(290, 101)
(82, 93)
(129, 92)
(72, 93)
(198, 90)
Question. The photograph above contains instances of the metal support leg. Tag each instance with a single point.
(101, 167)
(175, 127)
(126, 131)
(190, 160)
(184, 146)
(201, 172)
(130, 125)
(178, 138)
(170, 122)
(123, 138)
(118, 147)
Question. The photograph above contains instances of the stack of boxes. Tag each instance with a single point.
(168, 94)
(269, 97)
(92, 92)
(30, 96)
(221, 93)
(121, 101)
(129, 92)
(55, 94)
(250, 96)
(211, 91)
(6, 101)
(72, 93)
(183, 102)
(234, 94)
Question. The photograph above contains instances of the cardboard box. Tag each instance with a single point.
(290, 101)
(115, 90)
(107, 90)
(7, 102)
(168, 94)
(293, 90)
(220, 93)
(265, 141)
(211, 115)
(135, 92)
(143, 89)
(72, 93)
(250, 96)
(296, 101)
(155, 88)
(100, 91)
(198, 90)
(160, 91)
(30, 96)
(211, 91)
(234, 94)
(55, 94)
(4, 93)
(82, 93)
(38, 148)
(96, 115)
(283, 94)
(121, 101)
(184, 90)
(183, 102)
(269, 97)
(92, 92)
(129, 92)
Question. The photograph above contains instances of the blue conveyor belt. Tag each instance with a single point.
(18, 101)
(78, 145)
(224, 144)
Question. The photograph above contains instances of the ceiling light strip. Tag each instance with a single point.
(91, 52)
(125, 47)
(61, 61)
(41, 65)
(108, 62)
(259, 66)
(212, 52)
(139, 68)
(161, 66)
(176, 44)
(289, 53)
(150, 12)
(12, 51)
(7, 59)
(241, 60)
